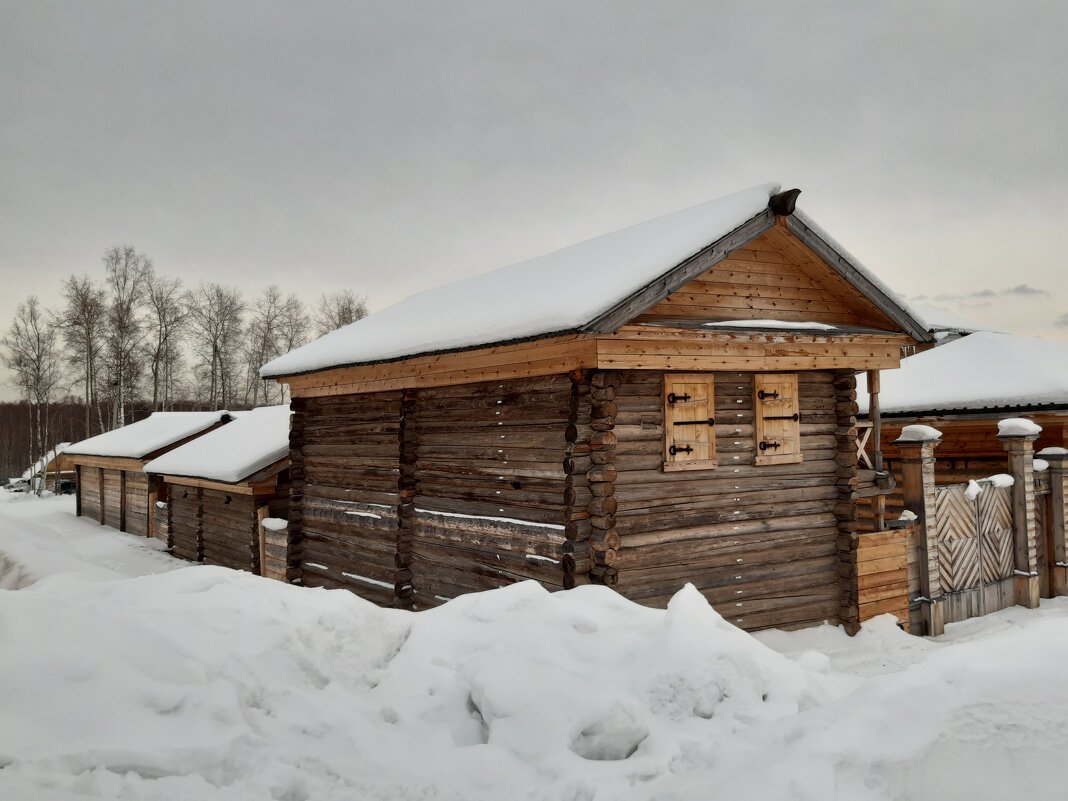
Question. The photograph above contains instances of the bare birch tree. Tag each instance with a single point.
(82, 324)
(30, 353)
(167, 318)
(276, 325)
(338, 309)
(128, 273)
(215, 326)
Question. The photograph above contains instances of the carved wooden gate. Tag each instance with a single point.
(975, 549)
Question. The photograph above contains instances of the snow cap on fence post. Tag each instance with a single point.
(1018, 427)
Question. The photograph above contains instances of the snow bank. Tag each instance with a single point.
(525, 299)
(919, 433)
(1018, 427)
(158, 430)
(231, 453)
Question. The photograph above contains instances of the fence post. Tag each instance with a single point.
(918, 488)
(1021, 452)
(1058, 474)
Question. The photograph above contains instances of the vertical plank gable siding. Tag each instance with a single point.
(760, 542)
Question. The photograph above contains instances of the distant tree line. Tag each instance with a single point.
(136, 340)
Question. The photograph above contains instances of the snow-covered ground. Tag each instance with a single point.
(127, 675)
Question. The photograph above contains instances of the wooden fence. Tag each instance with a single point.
(883, 573)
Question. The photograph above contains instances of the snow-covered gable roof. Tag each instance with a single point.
(940, 320)
(158, 430)
(46, 460)
(252, 442)
(561, 292)
(984, 370)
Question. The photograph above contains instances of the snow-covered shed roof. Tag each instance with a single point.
(253, 441)
(158, 430)
(984, 370)
(565, 291)
(45, 460)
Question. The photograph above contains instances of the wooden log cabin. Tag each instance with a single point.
(215, 491)
(963, 388)
(112, 485)
(671, 403)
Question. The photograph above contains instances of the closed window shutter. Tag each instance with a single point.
(689, 426)
(777, 418)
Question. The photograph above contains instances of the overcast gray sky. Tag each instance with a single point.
(387, 147)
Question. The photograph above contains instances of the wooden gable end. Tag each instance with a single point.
(774, 276)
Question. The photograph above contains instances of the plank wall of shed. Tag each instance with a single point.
(89, 491)
(229, 530)
(760, 542)
(136, 515)
(112, 482)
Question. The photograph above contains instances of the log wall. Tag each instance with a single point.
(229, 531)
(489, 485)
(346, 469)
(761, 543)
(183, 522)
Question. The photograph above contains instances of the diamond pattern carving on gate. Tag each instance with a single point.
(975, 543)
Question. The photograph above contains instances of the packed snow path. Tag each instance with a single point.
(128, 675)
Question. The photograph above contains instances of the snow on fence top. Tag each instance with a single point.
(919, 433)
(1018, 427)
(156, 431)
(255, 440)
(979, 371)
(559, 292)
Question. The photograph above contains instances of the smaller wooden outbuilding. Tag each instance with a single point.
(112, 485)
(51, 470)
(963, 388)
(215, 491)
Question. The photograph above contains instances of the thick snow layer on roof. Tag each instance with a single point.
(558, 292)
(156, 431)
(936, 319)
(255, 440)
(46, 460)
(978, 371)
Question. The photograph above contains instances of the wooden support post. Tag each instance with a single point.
(79, 490)
(100, 486)
(199, 524)
(918, 487)
(150, 522)
(1058, 522)
(875, 416)
(262, 514)
(845, 509)
(1021, 456)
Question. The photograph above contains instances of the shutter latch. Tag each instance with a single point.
(673, 398)
(711, 421)
(773, 395)
(764, 445)
(674, 450)
(795, 417)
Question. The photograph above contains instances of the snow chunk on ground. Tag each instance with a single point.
(919, 433)
(1018, 426)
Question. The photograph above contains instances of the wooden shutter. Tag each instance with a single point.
(777, 418)
(689, 432)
